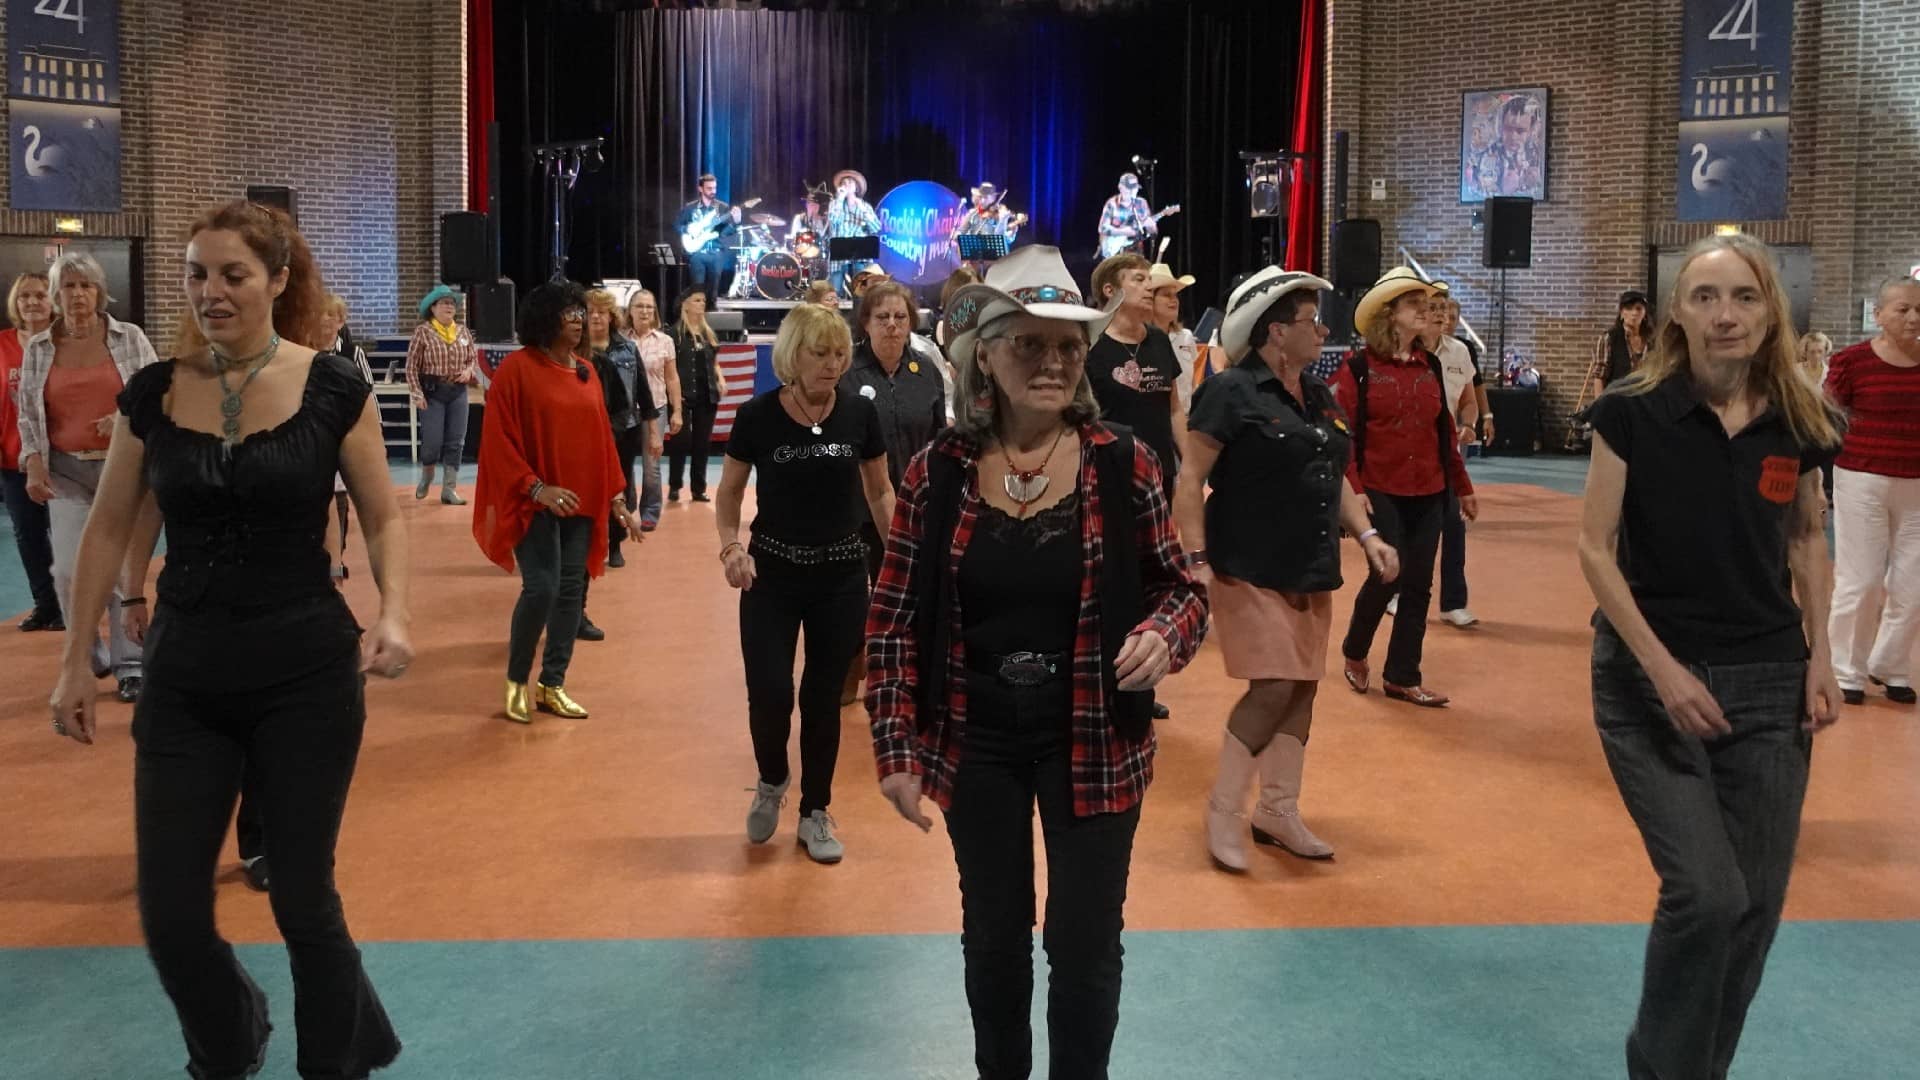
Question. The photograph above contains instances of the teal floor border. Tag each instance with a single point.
(1526, 1003)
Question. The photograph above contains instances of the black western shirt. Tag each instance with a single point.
(912, 402)
(1273, 519)
(1704, 523)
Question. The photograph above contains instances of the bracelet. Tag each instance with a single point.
(1197, 558)
(730, 547)
(134, 601)
(1365, 535)
(538, 487)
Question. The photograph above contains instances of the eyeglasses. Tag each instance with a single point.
(1033, 348)
(574, 315)
(1300, 322)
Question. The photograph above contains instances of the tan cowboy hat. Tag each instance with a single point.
(1252, 298)
(1392, 285)
(870, 270)
(1031, 281)
(859, 180)
(1160, 276)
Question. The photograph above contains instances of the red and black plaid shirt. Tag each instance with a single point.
(1110, 772)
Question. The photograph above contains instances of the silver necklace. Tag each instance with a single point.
(229, 397)
(801, 404)
(1025, 486)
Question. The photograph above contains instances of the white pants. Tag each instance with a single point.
(74, 481)
(1876, 539)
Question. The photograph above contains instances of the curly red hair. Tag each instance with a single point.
(299, 311)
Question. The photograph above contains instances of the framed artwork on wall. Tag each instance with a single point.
(1503, 143)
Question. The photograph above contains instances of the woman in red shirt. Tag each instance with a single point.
(549, 477)
(1405, 459)
(1876, 501)
(30, 310)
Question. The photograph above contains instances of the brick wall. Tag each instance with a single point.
(1397, 69)
(359, 105)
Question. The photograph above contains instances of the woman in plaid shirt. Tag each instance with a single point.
(1018, 665)
(442, 361)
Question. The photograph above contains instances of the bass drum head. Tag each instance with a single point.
(777, 276)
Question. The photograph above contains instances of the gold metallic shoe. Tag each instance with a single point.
(554, 699)
(518, 710)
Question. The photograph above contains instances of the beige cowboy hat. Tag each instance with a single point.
(870, 270)
(1392, 285)
(1160, 276)
(859, 180)
(1031, 281)
(1252, 298)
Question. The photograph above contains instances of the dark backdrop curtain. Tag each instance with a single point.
(1050, 106)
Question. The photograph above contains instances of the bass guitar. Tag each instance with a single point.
(705, 226)
(1114, 244)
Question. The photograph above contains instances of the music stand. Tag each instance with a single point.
(853, 249)
(981, 247)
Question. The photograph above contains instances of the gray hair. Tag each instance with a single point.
(976, 401)
(81, 265)
(1895, 282)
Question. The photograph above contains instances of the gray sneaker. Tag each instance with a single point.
(816, 831)
(764, 815)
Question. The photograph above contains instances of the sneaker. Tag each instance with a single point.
(1460, 617)
(816, 832)
(764, 815)
(128, 689)
(1393, 607)
(43, 620)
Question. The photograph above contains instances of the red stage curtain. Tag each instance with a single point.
(479, 99)
(1303, 209)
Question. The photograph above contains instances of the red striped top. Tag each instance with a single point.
(1883, 412)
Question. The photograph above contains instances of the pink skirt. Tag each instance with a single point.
(1264, 634)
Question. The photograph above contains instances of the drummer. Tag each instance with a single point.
(804, 235)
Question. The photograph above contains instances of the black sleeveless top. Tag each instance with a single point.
(1020, 581)
(245, 598)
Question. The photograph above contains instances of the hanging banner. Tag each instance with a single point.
(64, 158)
(64, 50)
(1736, 86)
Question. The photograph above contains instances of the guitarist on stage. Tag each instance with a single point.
(701, 223)
(1126, 220)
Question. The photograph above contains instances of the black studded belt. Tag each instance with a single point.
(1024, 668)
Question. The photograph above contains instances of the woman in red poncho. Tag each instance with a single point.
(549, 476)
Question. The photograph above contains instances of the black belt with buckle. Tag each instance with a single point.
(1025, 668)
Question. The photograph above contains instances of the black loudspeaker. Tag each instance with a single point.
(1336, 314)
(276, 196)
(465, 254)
(490, 308)
(1508, 228)
(1356, 253)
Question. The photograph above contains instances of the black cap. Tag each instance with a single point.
(1633, 298)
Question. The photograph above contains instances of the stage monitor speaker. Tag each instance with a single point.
(464, 250)
(277, 196)
(730, 326)
(1507, 226)
(1356, 253)
(490, 310)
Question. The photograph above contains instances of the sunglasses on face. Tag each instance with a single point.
(574, 315)
(1033, 348)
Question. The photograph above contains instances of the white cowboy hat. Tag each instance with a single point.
(1251, 299)
(859, 180)
(1160, 276)
(871, 270)
(1392, 285)
(1031, 281)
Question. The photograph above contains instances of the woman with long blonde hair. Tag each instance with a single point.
(657, 353)
(697, 355)
(1702, 528)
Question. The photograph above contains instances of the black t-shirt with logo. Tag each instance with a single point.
(807, 486)
(1134, 385)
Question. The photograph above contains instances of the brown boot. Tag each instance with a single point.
(1276, 817)
(1227, 806)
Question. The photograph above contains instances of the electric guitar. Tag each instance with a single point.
(704, 227)
(1114, 244)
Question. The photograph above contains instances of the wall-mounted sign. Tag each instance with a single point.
(1736, 85)
(63, 157)
(64, 50)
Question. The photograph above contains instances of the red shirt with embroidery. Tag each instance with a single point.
(1110, 772)
(1402, 441)
(1883, 412)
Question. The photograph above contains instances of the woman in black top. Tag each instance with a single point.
(1702, 524)
(1273, 444)
(821, 470)
(696, 357)
(252, 659)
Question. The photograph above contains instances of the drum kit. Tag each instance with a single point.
(772, 269)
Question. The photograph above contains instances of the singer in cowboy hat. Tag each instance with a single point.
(1273, 444)
(1032, 595)
(848, 215)
(1405, 461)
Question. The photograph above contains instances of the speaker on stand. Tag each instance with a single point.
(1507, 245)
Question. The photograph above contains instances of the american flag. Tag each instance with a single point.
(739, 363)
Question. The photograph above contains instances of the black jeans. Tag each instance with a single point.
(1720, 819)
(553, 588)
(1453, 556)
(1017, 752)
(628, 445)
(33, 535)
(695, 441)
(830, 600)
(1411, 523)
(708, 270)
(297, 743)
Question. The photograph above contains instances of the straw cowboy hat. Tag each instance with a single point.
(859, 180)
(1160, 276)
(1251, 300)
(1392, 285)
(870, 270)
(1031, 281)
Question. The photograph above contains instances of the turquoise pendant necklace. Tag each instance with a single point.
(230, 397)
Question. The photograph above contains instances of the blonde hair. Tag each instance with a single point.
(691, 327)
(13, 295)
(807, 326)
(602, 300)
(636, 294)
(976, 401)
(1816, 339)
(822, 290)
(335, 306)
(1809, 416)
